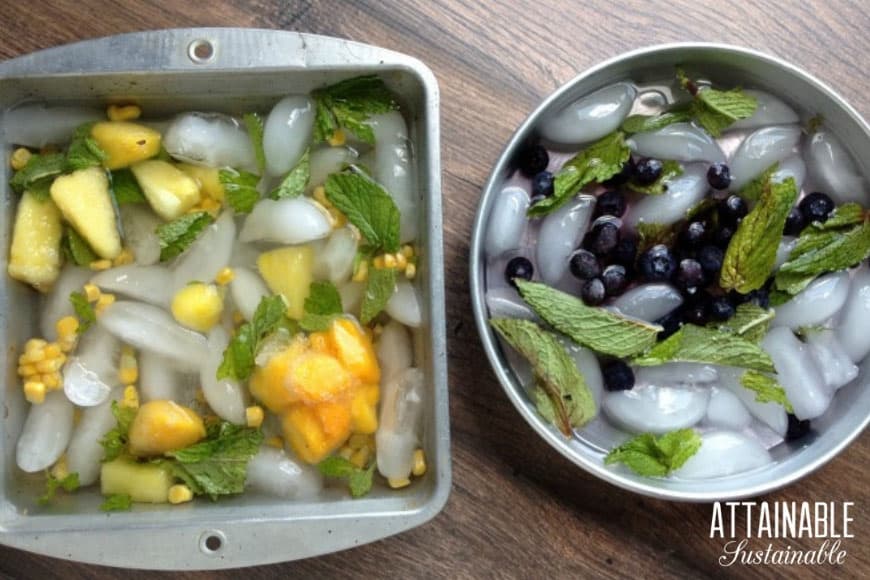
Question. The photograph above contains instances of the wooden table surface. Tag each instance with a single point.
(518, 509)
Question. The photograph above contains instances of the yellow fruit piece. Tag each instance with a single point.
(179, 494)
(100, 265)
(254, 416)
(364, 409)
(34, 256)
(143, 482)
(92, 292)
(353, 348)
(225, 276)
(125, 143)
(83, 198)
(67, 326)
(131, 397)
(275, 441)
(419, 468)
(398, 483)
(123, 112)
(170, 191)
(198, 306)
(208, 179)
(287, 271)
(19, 158)
(34, 392)
(337, 139)
(360, 457)
(162, 426)
(124, 258)
(315, 431)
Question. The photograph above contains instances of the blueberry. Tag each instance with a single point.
(542, 184)
(593, 292)
(610, 203)
(794, 222)
(670, 323)
(690, 274)
(719, 176)
(625, 251)
(518, 267)
(732, 209)
(721, 308)
(816, 207)
(618, 376)
(761, 297)
(584, 265)
(710, 258)
(694, 234)
(796, 428)
(603, 238)
(737, 298)
(533, 160)
(615, 279)
(647, 171)
(722, 236)
(623, 176)
(695, 315)
(657, 264)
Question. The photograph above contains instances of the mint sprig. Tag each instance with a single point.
(117, 502)
(380, 286)
(76, 248)
(752, 191)
(176, 236)
(69, 484)
(749, 322)
(84, 151)
(656, 456)
(767, 390)
(238, 359)
(322, 305)
(115, 441)
(254, 125)
(717, 110)
(125, 188)
(367, 206)
(348, 105)
(359, 480)
(698, 344)
(294, 183)
(670, 170)
(240, 189)
(84, 311)
(648, 123)
(37, 176)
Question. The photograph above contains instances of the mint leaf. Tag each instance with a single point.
(69, 484)
(596, 328)
(367, 206)
(670, 170)
(380, 286)
(653, 456)
(652, 234)
(238, 359)
(567, 403)
(39, 171)
(293, 184)
(177, 235)
(753, 190)
(751, 253)
(717, 110)
(125, 188)
(240, 189)
(117, 502)
(707, 346)
(114, 442)
(749, 322)
(254, 125)
(359, 480)
(848, 214)
(598, 162)
(322, 305)
(649, 123)
(77, 249)
(84, 310)
(349, 104)
(83, 151)
(767, 390)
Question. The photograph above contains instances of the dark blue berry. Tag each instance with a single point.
(721, 308)
(694, 234)
(625, 251)
(657, 264)
(719, 176)
(722, 236)
(615, 279)
(647, 171)
(816, 207)
(761, 297)
(592, 292)
(670, 323)
(618, 376)
(690, 274)
(533, 160)
(610, 203)
(584, 265)
(603, 238)
(710, 258)
(695, 315)
(542, 184)
(732, 209)
(794, 222)
(623, 176)
(518, 267)
(796, 428)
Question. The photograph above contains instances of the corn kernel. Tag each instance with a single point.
(124, 258)
(362, 272)
(68, 343)
(410, 271)
(128, 367)
(408, 251)
(131, 397)
(319, 195)
(360, 457)
(419, 463)
(254, 416)
(67, 326)
(225, 276)
(360, 440)
(35, 343)
(104, 302)
(99, 265)
(34, 392)
(27, 370)
(92, 293)
(337, 139)
(50, 365)
(275, 441)
(345, 452)
(401, 261)
(19, 158)
(60, 470)
(398, 483)
(317, 340)
(123, 112)
(52, 350)
(32, 356)
(378, 263)
(338, 218)
(390, 261)
(180, 493)
(51, 380)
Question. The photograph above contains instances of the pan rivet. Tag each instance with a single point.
(211, 542)
(200, 51)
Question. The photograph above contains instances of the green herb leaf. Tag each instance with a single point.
(649, 123)
(238, 359)
(751, 253)
(598, 162)
(218, 465)
(349, 104)
(177, 235)
(322, 305)
(240, 189)
(117, 502)
(359, 480)
(848, 214)
(114, 442)
(84, 310)
(125, 188)
(39, 171)
(670, 170)
(380, 286)
(767, 390)
(597, 328)
(254, 125)
(77, 248)
(707, 346)
(367, 206)
(656, 456)
(717, 110)
(83, 151)
(568, 402)
(749, 322)
(752, 191)
(69, 484)
(651, 234)
(294, 183)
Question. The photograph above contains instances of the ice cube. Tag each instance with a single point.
(561, 234)
(85, 453)
(208, 255)
(36, 125)
(833, 169)
(803, 383)
(680, 142)
(655, 409)
(328, 160)
(404, 305)
(335, 261)
(588, 365)
(507, 220)
(394, 349)
(792, 166)
(273, 472)
(724, 453)
(684, 193)
(226, 397)
(648, 302)
(854, 321)
(393, 168)
(46, 433)
(296, 220)
(726, 411)
(90, 374)
(786, 245)
(760, 150)
(771, 414)
(286, 133)
(140, 232)
(399, 426)
(831, 359)
(590, 117)
(152, 284)
(506, 303)
(56, 303)
(210, 139)
(771, 110)
(676, 374)
(821, 300)
(159, 379)
(247, 289)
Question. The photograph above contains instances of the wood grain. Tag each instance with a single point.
(518, 509)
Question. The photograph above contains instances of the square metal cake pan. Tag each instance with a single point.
(230, 70)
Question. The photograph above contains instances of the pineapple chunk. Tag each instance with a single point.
(143, 482)
(83, 198)
(208, 179)
(170, 191)
(125, 143)
(35, 253)
(287, 271)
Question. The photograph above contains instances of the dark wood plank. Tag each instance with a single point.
(518, 509)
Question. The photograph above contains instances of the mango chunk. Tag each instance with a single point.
(198, 306)
(162, 426)
(143, 482)
(354, 349)
(125, 143)
(315, 431)
(34, 256)
(364, 409)
(83, 198)
(287, 271)
(208, 179)
(170, 191)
